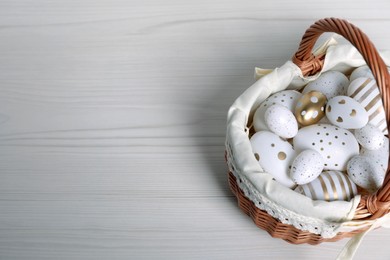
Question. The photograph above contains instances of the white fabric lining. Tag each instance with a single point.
(319, 217)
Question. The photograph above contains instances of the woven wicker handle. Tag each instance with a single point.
(375, 205)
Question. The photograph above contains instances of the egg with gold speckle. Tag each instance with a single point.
(330, 83)
(366, 173)
(310, 108)
(274, 155)
(286, 98)
(281, 121)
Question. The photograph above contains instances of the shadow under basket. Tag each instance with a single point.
(371, 206)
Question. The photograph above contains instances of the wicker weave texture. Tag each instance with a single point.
(374, 205)
(276, 228)
(371, 206)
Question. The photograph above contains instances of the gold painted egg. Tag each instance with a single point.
(310, 108)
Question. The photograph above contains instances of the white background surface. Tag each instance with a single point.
(112, 123)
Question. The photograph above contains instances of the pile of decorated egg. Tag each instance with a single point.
(326, 141)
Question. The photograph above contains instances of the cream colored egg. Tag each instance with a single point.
(310, 108)
(366, 92)
(345, 112)
(286, 98)
(329, 186)
(274, 155)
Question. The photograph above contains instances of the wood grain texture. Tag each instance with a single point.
(112, 124)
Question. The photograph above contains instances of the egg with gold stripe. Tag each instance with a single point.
(365, 91)
(329, 186)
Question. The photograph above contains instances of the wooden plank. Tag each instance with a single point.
(112, 124)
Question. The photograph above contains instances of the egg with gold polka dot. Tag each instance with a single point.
(335, 144)
(310, 108)
(274, 155)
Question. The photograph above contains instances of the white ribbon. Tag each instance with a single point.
(349, 250)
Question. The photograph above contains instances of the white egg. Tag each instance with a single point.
(345, 112)
(275, 156)
(329, 186)
(366, 92)
(365, 173)
(281, 121)
(370, 137)
(330, 83)
(363, 71)
(286, 98)
(336, 145)
(380, 156)
(306, 167)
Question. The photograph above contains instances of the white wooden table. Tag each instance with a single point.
(112, 124)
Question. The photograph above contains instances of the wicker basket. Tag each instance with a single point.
(372, 206)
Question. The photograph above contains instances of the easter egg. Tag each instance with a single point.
(329, 186)
(310, 108)
(370, 137)
(366, 92)
(306, 167)
(330, 83)
(380, 156)
(363, 71)
(286, 98)
(336, 145)
(365, 173)
(345, 112)
(275, 156)
(281, 121)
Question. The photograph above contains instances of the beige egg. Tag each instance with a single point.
(310, 108)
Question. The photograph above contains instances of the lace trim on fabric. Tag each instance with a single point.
(313, 225)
